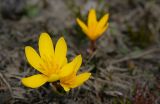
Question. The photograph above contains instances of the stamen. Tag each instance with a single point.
(49, 65)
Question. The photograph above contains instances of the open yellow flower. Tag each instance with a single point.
(95, 28)
(72, 81)
(52, 64)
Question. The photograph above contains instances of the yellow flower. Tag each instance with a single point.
(95, 28)
(52, 64)
(72, 81)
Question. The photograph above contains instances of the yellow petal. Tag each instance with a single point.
(78, 63)
(92, 20)
(65, 62)
(80, 79)
(66, 88)
(61, 51)
(53, 77)
(46, 48)
(83, 26)
(92, 24)
(102, 30)
(103, 21)
(92, 35)
(33, 58)
(34, 81)
(102, 25)
(68, 69)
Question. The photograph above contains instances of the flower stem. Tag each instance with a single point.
(45, 4)
(54, 87)
(92, 46)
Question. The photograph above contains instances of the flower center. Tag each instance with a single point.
(69, 80)
(49, 66)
